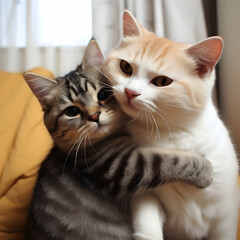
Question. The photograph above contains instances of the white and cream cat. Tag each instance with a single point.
(166, 88)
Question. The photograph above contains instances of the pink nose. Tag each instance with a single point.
(94, 117)
(130, 93)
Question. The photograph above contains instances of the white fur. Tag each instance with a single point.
(193, 213)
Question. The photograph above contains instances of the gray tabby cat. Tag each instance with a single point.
(94, 167)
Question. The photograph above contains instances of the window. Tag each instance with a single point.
(45, 22)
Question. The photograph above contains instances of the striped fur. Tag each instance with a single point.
(94, 168)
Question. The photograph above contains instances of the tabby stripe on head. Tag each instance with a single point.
(86, 87)
(69, 93)
(139, 174)
(74, 90)
(81, 86)
(93, 85)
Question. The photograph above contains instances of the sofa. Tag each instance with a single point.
(24, 143)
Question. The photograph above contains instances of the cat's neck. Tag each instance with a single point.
(84, 155)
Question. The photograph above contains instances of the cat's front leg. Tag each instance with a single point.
(147, 216)
(173, 165)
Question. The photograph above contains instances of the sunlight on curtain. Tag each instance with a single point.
(44, 33)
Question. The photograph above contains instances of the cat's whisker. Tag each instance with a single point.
(176, 107)
(151, 124)
(150, 103)
(141, 115)
(85, 150)
(146, 121)
(78, 147)
(104, 83)
(154, 109)
(65, 162)
(77, 150)
(157, 130)
(168, 127)
(90, 143)
(165, 121)
(108, 85)
(134, 118)
(64, 93)
(98, 69)
(76, 153)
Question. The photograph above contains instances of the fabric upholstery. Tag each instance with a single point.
(24, 143)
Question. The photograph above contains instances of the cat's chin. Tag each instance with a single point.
(129, 109)
(100, 131)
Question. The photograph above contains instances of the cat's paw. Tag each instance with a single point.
(202, 171)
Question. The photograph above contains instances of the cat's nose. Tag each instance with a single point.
(130, 93)
(94, 117)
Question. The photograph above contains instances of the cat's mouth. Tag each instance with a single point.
(101, 128)
(99, 131)
(129, 107)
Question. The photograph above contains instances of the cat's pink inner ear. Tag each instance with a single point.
(130, 25)
(39, 85)
(206, 54)
(93, 56)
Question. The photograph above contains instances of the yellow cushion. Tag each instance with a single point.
(24, 143)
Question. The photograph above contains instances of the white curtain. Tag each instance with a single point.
(23, 25)
(179, 20)
(43, 33)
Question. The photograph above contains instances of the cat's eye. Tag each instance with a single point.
(104, 94)
(72, 111)
(161, 81)
(126, 67)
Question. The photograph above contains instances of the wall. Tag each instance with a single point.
(229, 29)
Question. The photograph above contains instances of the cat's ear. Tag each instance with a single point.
(40, 86)
(92, 56)
(206, 54)
(130, 25)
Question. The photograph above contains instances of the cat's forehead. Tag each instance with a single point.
(79, 88)
(149, 51)
(151, 56)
